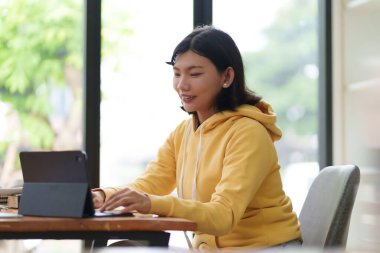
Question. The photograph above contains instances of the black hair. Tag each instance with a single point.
(222, 51)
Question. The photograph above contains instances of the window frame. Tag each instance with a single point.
(202, 14)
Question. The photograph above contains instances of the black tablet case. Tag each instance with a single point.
(55, 184)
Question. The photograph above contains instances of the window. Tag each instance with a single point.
(278, 42)
(41, 87)
(139, 107)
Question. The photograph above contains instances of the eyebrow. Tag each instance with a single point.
(190, 67)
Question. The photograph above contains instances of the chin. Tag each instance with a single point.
(189, 110)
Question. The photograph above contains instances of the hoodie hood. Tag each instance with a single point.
(261, 112)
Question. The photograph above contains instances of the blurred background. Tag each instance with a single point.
(42, 86)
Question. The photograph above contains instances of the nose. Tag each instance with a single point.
(182, 83)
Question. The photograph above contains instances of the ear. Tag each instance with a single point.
(228, 75)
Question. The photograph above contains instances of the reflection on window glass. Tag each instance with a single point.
(278, 41)
(40, 79)
(139, 106)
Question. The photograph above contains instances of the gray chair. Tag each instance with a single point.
(326, 212)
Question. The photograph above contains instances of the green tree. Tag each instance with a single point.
(41, 61)
(37, 42)
(40, 51)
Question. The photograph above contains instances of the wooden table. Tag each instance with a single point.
(100, 229)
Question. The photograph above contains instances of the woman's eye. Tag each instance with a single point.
(195, 74)
(176, 74)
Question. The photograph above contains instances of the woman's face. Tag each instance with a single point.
(197, 82)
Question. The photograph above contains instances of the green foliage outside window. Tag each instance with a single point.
(40, 51)
(41, 74)
(280, 71)
(285, 74)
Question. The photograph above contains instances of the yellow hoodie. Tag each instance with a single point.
(227, 177)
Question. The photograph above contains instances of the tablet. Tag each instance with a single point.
(56, 184)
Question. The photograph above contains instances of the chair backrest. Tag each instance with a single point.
(326, 212)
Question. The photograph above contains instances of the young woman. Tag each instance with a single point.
(222, 160)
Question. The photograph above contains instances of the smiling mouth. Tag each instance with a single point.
(187, 99)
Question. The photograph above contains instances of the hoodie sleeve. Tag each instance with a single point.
(249, 158)
(160, 176)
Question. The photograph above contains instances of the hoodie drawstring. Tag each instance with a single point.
(180, 186)
(199, 149)
(180, 193)
(194, 193)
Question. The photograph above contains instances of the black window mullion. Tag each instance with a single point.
(202, 12)
(325, 133)
(92, 88)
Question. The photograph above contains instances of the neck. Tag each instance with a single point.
(197, 122)
(202, 117)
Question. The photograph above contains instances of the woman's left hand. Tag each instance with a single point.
(129, 199)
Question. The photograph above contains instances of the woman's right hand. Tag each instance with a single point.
(98, 198)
